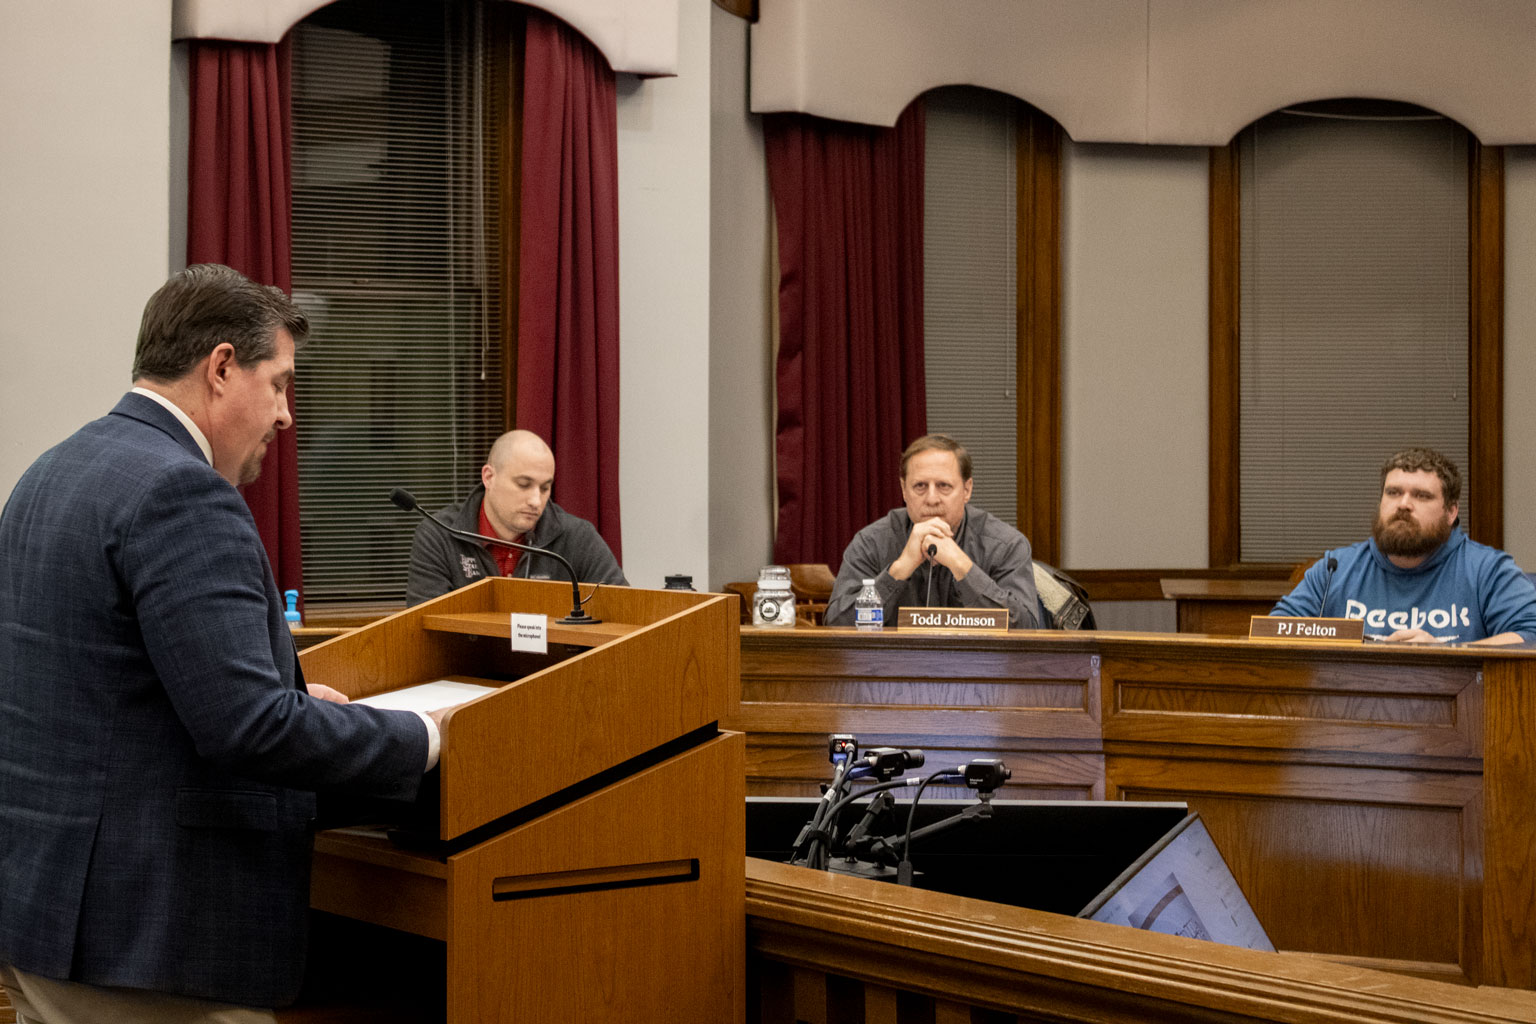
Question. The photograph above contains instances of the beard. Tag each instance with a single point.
(1401, 535)
(250, 469)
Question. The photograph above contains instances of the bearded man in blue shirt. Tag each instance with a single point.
(1419, 578)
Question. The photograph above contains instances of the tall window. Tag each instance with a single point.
(400, 118)
(992, 299)
(970, 284)
(1353, 314)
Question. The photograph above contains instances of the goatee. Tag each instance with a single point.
(250, 469)
(1403, 536)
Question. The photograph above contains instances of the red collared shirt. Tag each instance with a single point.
(506, 558)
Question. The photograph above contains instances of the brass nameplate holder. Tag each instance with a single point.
(953, 620)
(1307, 630)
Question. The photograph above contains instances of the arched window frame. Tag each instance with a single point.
(1485, 352)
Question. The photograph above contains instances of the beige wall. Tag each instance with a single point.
(1134, 295)
(741, 345)
(84, 181)
(1164, 72)
(664, 271)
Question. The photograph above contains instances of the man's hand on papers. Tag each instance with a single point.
(322, 692)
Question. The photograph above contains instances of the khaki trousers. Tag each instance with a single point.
(40, 1000)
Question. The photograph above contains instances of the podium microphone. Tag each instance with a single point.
(406, 501)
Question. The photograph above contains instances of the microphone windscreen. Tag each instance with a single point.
(1333, 564)
(403, 499)
(933, 549)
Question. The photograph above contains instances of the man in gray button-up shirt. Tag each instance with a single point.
(938, 551)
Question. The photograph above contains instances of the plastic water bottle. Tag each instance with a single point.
(868, 611)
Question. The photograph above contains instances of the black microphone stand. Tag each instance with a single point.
(1332, 566)
(404, 499)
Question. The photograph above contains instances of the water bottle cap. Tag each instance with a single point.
(869, 583)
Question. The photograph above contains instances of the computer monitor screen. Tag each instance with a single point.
(1182, 886)
(1053, 855)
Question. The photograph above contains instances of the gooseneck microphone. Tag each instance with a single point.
(405, 500)
(933, 550)
(1333, 564)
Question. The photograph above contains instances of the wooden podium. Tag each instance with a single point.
(582, 852)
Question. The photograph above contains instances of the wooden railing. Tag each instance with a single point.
(827, 949)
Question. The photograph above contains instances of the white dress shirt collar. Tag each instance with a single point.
(183, 418)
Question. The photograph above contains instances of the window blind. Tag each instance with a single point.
(396, 260)
(970, 291)
(1353, 316)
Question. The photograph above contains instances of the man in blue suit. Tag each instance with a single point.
(160, 754)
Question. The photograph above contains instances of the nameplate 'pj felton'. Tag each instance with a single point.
(1306, 629)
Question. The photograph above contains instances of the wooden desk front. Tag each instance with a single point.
(1375, 802)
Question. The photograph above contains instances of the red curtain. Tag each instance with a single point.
(849, 204)
(240, 213)
(568, 315)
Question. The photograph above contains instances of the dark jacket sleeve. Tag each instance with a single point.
(197, 572)
(591, 556)
(431, 573)
(1006, 580)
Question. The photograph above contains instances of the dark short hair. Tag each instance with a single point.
(938, 443)
(203, 306)
(1416, 460)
